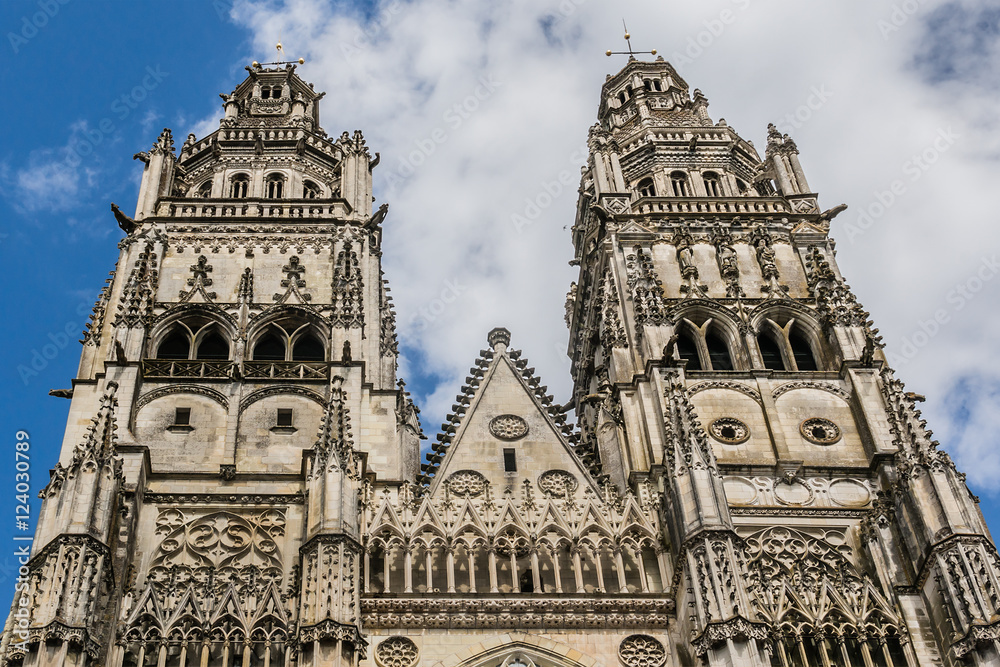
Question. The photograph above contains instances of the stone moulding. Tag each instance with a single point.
(734, 628)
(516, 612)
(211, 498)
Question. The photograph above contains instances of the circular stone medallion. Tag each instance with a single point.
(729, 430)
(641, 651)
(466, 483)
(508, 427)
(557, 483)
(396, 652)
(820, 431)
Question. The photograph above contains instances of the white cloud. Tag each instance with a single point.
(54, 179)
(397, 76)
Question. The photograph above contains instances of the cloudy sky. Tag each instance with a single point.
(476, 109)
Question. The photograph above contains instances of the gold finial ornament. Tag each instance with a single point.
(255, 64)
(302, 61)
(630, 53)
(281, 53)
(278, 46)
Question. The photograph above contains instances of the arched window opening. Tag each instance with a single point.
(713, 185)
(770, 352)
(310, 190)
(718, 352)
(628, 91)
(647, 84)
(175, 346)
(741, 186)
(269, 348)
(802, 352)
(213, 346)
(308, 348)
(275, 186)
(657, 86)
(205, 189)
(646, 187)
(688, 351)
(265, 92)
(239, 187)
(679, 183)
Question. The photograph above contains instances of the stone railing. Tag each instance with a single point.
(292, 209)
(700, 205)
(287, 370)
(250, 370)
(182, 368)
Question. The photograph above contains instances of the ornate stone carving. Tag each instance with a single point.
(641, 651)
(729, 430)
(645, 288)
(508, 427)
(557, 483)
(832, 388)
(820, 431)
(348, 296)
(467, 483)
(396, 651)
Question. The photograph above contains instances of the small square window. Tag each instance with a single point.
(284, 417)
(182, 417)
(509, 460)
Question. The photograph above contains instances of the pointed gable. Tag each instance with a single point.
(508, 423)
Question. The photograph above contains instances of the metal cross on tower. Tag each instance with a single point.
(628, 41)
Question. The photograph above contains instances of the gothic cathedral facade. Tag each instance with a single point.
(743, 482)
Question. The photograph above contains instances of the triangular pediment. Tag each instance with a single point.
(507, 435)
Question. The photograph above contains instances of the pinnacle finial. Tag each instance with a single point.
(499, 339)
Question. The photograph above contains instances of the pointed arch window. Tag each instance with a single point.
(239, 186)
(679, 184)
(687, 349)
(646, 187)
(205, 189)
(802, 352)
(213, 346)
(770, 351)
(274, 186)
(718, 352)
(713, 185)
(741, 186)
(269, 348)
(308, 348)
(177, 345)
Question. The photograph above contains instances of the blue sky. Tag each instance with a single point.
(88, 84)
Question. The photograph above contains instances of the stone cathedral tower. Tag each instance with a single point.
(747, 484)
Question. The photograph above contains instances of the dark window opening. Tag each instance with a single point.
(646, 188)
(804, 359)
(718, 353)
(712, 184)
(275, 186)
(688, 351)
(509, 460)
(269, 348)
(213, 346)
(174, 346)
(308, 348)
(182, 416)
(310, 190)
(729, 432)
(205, 189)
(647, 84)
(240, 187)
(770, 353)
(679, 183)
(284, 416)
